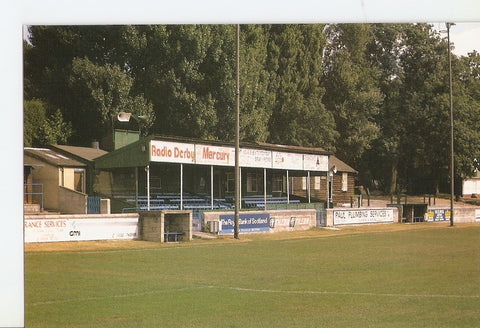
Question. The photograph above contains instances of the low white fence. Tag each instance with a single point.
(361, 216)
(53, 228)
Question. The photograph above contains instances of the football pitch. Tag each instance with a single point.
(425, 275)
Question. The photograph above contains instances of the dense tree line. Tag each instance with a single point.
(375, 94)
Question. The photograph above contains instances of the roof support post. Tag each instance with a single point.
(288, 189)
(308, 187)
(147, 169)
(136, 187)
(329, 190)
(181, 186)
(265, 189)
(211, 187)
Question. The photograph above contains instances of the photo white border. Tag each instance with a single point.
(30, 12)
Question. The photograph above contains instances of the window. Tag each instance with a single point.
(277, 183)
(230, 182)
(253, 180)
(344, 181)
(79, 180)
(317, 183)
(304, 183)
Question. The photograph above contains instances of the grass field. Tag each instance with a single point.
(425, 275)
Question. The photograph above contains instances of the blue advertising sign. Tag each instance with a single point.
(438, 214)
(254, 222)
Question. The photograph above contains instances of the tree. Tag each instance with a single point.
(295, 62)
(257, 98)
(100, 93)
(352, 93)
(384, 156)
(467, 113)
(40, 130)
(33, 120)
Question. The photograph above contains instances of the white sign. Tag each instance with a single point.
(213, 155)
(281, 223)
(362, 216)
(315, 162)
(177, 152)
(172, 152)
(287, 161)
(72, 228)
(255, 158)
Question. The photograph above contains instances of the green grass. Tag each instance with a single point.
(428, 277)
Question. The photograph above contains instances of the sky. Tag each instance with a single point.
(464, 36)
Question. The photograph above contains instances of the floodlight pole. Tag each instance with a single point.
(452, 163)
(236, 228)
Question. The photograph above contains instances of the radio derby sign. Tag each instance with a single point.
(255, 222)
(172, 152)
(362, 216)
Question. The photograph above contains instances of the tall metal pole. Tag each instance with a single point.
(237, 144)
(147, 169)
(452, 163)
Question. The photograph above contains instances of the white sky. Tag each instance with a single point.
(465, 37)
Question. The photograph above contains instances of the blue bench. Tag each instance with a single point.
(175, 235)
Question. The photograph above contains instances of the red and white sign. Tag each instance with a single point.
(213, 155)
(172, 152)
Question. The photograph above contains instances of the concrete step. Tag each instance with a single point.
(31, 208)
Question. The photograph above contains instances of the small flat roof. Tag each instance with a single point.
(51, 157)
(85, 153)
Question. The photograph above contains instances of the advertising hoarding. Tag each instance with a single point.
(172, 152)
(315, 162)
(437, 214)
(255, 158)
(187, 153)
(254, 222)
(287, 161)
(65, 228)
(213, 155)
(362, 216)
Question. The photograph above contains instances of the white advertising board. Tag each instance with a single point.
(315, 162)
(255, 158)
(213, 155)
(172, 152)
(362, 216)
(287, 161)
(290, 223)
(186, 153)
(71, 228)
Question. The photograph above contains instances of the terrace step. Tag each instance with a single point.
(31, 208)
